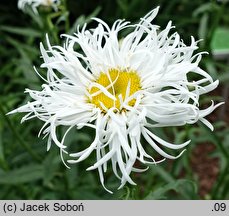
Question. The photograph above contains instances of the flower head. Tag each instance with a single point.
(122, 89)
(36, 3)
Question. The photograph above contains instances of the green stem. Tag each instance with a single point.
(67, 24)
(217, 17)
(219, 183)
(217, 142)
(225, 189)
(16, 134)
(51, 28)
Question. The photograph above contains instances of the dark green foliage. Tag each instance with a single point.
(28, 171)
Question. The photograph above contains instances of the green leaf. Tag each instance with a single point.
(22, 175)
(3, 163)
(220, 42)
(51, 164)
(21, 31)
(178, 186)
(203, 27)
(37, 19)
(82, 19)
(163, 173)
(205, 8)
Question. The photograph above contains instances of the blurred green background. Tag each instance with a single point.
(28, 171)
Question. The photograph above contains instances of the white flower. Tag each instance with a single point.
(36, 3)
(121, 89)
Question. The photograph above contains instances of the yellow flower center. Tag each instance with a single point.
(119, 83)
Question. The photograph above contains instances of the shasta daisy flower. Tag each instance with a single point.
(36, 3)
(121, 89)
